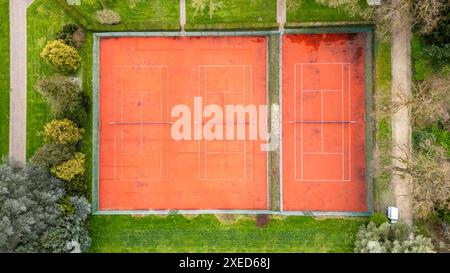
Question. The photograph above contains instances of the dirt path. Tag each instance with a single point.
(281, 13)
(18, 76)
(401, 92)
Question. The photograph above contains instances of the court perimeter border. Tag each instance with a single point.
(318, 30)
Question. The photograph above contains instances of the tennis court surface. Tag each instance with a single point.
(324, 164)
(141, 167)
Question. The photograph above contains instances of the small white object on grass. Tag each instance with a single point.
(393, 214)
(73, 247)
(373, 2)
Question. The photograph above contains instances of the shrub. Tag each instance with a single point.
(31, 219)
(72, 229)
(71, 168)
(28, 207)
(66, 206)
(443, 214)
(417, 244)
(62, 93)
(67, 33)
(438, 55)
(77, 187)
(64, 57)
(427, 138)
(379, 218)
(107, 17)
(52, 154)
(77, 115)
(62, 131)
(390, 238)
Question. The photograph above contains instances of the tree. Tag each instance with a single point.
(64, 57)
(78, 114)
(52, 154)
(31, 219)
(62, 131)
(62, 93)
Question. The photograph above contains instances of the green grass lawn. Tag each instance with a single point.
(205, 233)
(135, 15)
(87, 65)
(4, 78)
(45, 18)
(311, 11)
(383, 133)
(234, 14)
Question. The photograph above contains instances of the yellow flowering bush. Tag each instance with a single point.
(62, 131)
(71, 168)
(64, 57)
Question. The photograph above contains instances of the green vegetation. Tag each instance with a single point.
(107, 17)
(87, 64)
(383, 133)
(4, 78)
(35, 219)
(45, 18)
(135, 15)
(274, 93)
(440, 137)
(391, 238)
(421, 66)
(70, 169)
(63, 57)
(204, 233)
(312, 11)
(233, 14)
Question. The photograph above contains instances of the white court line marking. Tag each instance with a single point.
(205, 92)
(295, 117)
(161, 175)
(321, 63)
(121, 120)
(245, 103)
(321, 90)
(342, 125)
(114, 130)
(321, 143)
(161, 166)
(301, 118)
(251, 143)
(322, 153)
(204, 142)
(349, 127)
(200, 143)
(141, 148)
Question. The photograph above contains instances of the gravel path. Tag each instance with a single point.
(401, 92)
(281, 13)
(18, 76)
(182, 14)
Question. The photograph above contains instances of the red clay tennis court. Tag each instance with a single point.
(141, 166)
(324, 166)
